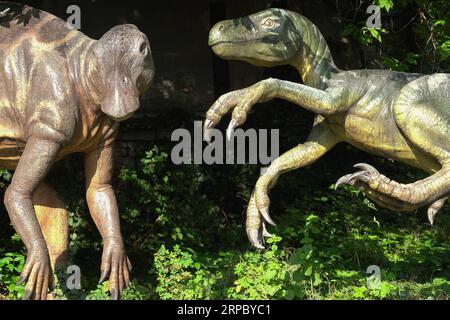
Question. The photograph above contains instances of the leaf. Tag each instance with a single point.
(348, 30)
(386, 4)
(309, 270)
(317, 279)
(376, 33)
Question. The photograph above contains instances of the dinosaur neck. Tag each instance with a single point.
(85, 71)
(94, 78)
(314, 61)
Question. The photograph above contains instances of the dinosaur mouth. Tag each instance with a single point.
(225, 42)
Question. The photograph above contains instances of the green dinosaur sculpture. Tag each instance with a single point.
(397, 115)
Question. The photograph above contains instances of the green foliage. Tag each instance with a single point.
(180, 276)
(133, 292)
(326, 240)
(424, 24)
(183, 274)
(162, 202)
(5, 178)
(261, 275)
(11, 265)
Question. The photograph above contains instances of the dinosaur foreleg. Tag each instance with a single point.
(320, 141)
(241, 101)
(53, 219)
(432, 191)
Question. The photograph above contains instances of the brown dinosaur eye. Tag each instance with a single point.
(269, 23)
(143, 49)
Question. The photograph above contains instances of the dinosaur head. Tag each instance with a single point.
(125, 65)
(267, 38)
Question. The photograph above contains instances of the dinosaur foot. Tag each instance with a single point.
(434, 209)
(256, 224)
(366, 174)
(364, 181)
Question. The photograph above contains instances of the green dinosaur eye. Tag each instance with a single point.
(269, 23)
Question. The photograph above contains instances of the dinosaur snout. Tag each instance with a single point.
(217, 33)
(121, 97)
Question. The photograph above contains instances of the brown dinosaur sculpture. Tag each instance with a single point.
(62, 92)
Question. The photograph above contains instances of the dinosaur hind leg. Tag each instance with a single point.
(389, 202)
(422, 112)
(320, 141)
(382, 200)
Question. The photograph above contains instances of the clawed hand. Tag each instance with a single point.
(116, 266)
(241, 102)
(37, 274)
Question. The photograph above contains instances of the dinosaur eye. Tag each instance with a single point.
(143, 49)
(269, 23)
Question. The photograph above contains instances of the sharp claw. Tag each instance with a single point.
(207, 135)
(130, 266)
(114, 294)
(21, 280)
(364, 166)
(4, 12)
(266, 233)
(265, 213)
(103, 276)
(434, 209)
(27, 295)
(342, 180)
(361, 175)
(51, 285)
(208, 124)
(207, 130)
(253, 236)
(231, 128)
(431, 214)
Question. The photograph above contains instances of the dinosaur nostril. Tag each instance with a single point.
(221, 27)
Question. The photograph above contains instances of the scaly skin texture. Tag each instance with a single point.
(400, 116)
(62, 92)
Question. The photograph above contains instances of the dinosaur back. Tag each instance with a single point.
(20, 22)
(431, 90)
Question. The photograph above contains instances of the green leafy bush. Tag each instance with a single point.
(325, 242)
(11, 265)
